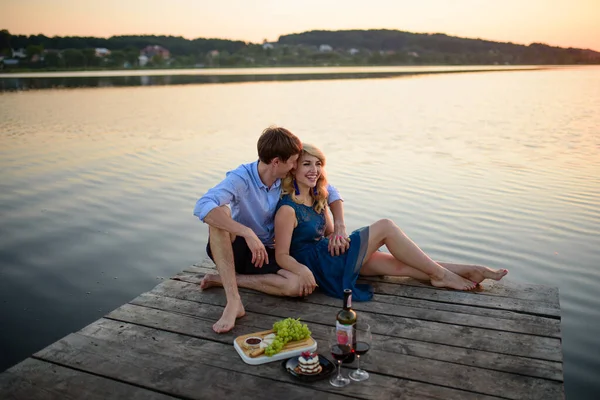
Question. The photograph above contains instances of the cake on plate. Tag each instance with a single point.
(308, 364)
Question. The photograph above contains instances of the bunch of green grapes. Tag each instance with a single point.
(286, 330)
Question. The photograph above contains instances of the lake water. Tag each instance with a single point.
(157, 77)
(497, 168)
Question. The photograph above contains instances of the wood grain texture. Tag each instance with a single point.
(473, 337)
(36, 379)
(500, 342)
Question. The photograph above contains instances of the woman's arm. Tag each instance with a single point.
(285, 222)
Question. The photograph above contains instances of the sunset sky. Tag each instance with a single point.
(565, 23)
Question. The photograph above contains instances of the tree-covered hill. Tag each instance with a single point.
(319, 47)
(441, 47)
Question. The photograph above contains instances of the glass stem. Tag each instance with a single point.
(358, 362)
(339, 375)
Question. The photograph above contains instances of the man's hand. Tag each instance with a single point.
(307, 282)
(339, 241)
(259, 253)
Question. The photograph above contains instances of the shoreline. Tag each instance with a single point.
(272, 71)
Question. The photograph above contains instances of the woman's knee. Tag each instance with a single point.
(388, 223)
(383, 226)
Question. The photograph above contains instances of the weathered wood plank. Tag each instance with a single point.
(202, 328)
(465, 309)
(428, 343)
(541, 326)
(221, 355)
(190, 378)
(504, 288)
(469, 298)
(468, 337)
(40, 380)
(472, 298)
(403, 366)
(320, 298)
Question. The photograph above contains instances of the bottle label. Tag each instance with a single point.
(344, 333)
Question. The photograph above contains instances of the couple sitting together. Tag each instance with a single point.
(270, 230)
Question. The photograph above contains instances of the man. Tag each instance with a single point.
(241, 239)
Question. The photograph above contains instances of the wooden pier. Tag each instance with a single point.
(503, 342)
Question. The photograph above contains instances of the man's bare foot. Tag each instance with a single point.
(210, 280)
(476, 273)
(230, 314)
(452, 281)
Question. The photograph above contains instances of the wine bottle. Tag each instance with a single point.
(346, 325)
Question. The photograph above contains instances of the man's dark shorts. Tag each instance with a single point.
(243, 259)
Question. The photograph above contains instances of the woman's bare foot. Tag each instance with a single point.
(475, 273)
(230, 314)
(210, 280)
(452, 281)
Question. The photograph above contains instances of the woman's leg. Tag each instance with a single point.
(385, 232)
(385, 264)
(475, 273)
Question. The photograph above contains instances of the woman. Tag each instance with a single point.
(302, 223)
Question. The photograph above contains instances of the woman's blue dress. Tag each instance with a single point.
(333, 274)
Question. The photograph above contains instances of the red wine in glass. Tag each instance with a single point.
(361, 348)
(341, 351)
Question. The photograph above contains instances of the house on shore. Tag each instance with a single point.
(152, 51)
(143, 60)
(19, 53)
(102, 52)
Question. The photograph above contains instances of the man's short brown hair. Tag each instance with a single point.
(277, 142)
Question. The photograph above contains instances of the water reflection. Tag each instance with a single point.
(54, 81)
(97, 186)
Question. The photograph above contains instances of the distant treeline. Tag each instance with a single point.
(398, 46)
(350, 47)
(178, 46)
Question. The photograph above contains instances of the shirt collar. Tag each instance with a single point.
(259, 182)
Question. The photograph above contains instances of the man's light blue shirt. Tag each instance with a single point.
(252, 203)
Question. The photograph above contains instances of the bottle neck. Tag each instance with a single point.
(347, 301)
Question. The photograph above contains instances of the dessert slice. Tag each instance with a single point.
(308, 364)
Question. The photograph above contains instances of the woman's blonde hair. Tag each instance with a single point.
(320, 198)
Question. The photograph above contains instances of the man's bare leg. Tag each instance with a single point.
(283, 283)
(222, 252)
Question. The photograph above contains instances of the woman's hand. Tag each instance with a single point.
(339, 241)
(307, 282)
(259, 252)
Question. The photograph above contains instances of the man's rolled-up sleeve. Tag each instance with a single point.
(224, 193)
(334, 195)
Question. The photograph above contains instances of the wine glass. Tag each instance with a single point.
(363, 344)
(339, 351)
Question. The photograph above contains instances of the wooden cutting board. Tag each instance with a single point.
(290, 347)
